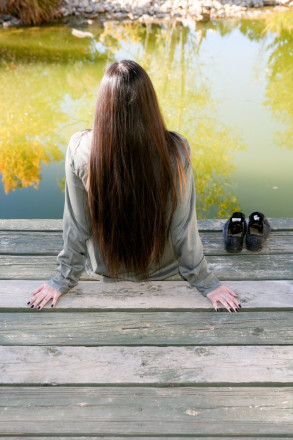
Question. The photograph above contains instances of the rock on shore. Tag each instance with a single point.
(187, 11)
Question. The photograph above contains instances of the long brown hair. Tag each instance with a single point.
(134, 168)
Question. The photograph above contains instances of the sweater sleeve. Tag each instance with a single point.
(187, 244)
(76, 229)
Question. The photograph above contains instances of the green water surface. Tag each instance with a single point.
(227, 86)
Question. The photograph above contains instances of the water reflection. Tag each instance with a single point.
(49, 81)
(185, 95)
(280, 75)
(276, 36)
(45, 96)
(27, 126)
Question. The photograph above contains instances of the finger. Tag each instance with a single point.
(38, 290)
(215, 304)
(233, 301)
(225, 303)
(38, 298)
(230, 298)
(230, 291)
(236, 305)
(44, 302)
(233, 304)
(54, 302)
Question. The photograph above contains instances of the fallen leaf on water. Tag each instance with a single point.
(81, 34)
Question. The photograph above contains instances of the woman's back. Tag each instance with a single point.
(183, 253)
(78, 156)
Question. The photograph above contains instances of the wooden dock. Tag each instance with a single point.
(146, 360)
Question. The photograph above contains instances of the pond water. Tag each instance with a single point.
(227, 86)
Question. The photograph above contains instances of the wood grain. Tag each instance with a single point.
(236, 267)
(146, 365)
(150, 411)
(146, 328)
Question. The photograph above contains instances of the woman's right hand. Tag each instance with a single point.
(226, 296)
(42, 295)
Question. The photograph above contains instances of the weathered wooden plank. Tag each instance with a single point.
(31, 224)
(57, 224)
(30, 267)
(252, 267)
(145, 438)
(51, 243)
(146, 328)
(218, 224)
(146, 365)
(146, 410)
(236, 267)
(31, 242)
(155, 295)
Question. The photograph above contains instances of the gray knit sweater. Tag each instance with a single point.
(183, 255)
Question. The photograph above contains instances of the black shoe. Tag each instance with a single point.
(234, 231)
(257, 231)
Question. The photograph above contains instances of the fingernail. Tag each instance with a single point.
(217, 310)
(239, 305)
(51, 305)
(237, 310)
(29, 302)
(39, 307)
(231, 310)
(32, 306)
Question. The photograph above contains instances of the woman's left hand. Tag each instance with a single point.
(42, 295)
(226, 296)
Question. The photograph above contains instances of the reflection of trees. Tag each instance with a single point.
(34, 125)
(252, 29)
(42, 105)
(280, 22)
(276, 32)
(21, 165)
(279, 91)
(276, 36)
(61, 184)
(25, 132)
(45, 44)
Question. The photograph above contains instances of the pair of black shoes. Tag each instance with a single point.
(256, 231)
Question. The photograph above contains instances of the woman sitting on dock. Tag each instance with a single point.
(129, 210)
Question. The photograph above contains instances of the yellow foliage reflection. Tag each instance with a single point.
(280, 22)
(42, 102)
(25, 135)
